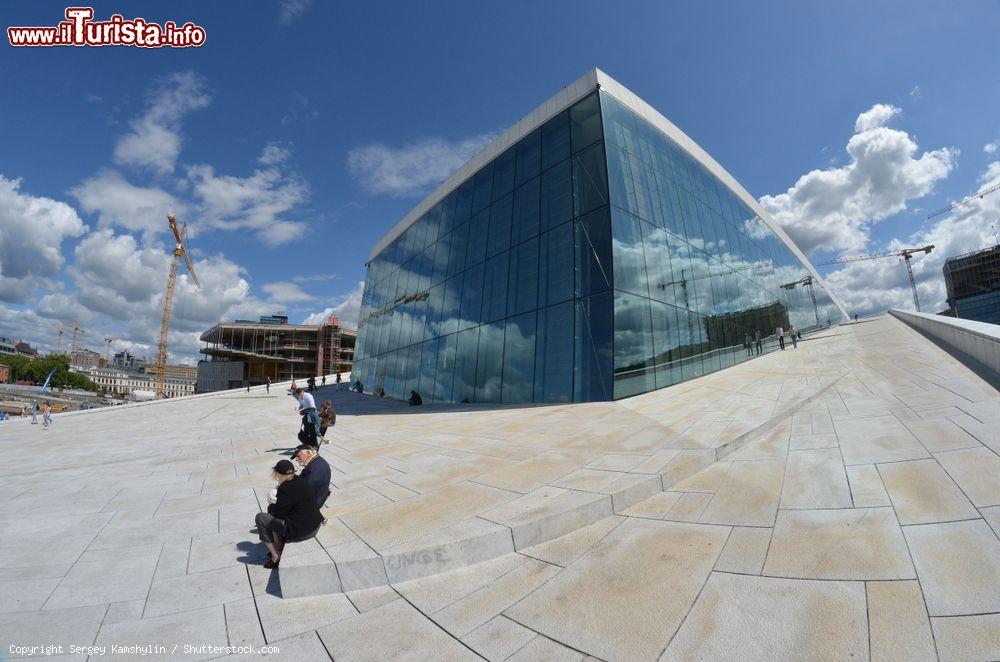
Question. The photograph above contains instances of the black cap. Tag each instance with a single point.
(302, 447)
(284, 467)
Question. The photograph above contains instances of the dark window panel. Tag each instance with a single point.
(620, 179)
(465, 366)
(590, 180)
(472, 297)
(585, 122)
(500, 226)
(556, 196)
(495, 288)
(592, 348)
(555, 269)
(523, 284)
(519, 359)
(463, 202)
(484, 188)
(448, 214)
(489, 362)
(475, 248)
(524, 224)
(445, 374)
(592, 247)
(659, 273)
(529, 154)
(459, 246)
(554, 354)
(666, 340)
(428, 366)
(555, 140)
(503, 174)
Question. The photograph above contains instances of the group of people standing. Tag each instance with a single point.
(754, 343)
(315, 422)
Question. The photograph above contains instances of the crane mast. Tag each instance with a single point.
(180, 250)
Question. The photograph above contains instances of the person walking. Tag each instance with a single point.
(748, 344)
(310, 419)
(34, 414)
(780, 332)
(46, 415)
(327, 419)
(248, 387)
(293, 516)
(311, 383)
(323, 381)
(759, 342)
(339, 380)
(794, 334)
(268, 385)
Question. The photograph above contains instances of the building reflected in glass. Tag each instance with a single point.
(593, 258)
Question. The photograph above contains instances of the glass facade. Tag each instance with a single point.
(593, 260)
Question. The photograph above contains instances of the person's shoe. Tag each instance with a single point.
(270, 564)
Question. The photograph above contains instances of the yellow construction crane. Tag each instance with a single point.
(59, 330)
(180, 235)
(906, 254)
(978, 196)
(75, 328)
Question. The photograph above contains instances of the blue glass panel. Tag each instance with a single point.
(526, 212)
(658, 269)
(519, 359)
(484, 188)
(585, 122)
(500, 221)
(503, 174)
(465, 365)
(555, 140)
(592, 348)
(463, 202)
(590, 180)
(495, 288)
(523, 285)
(472, 297)
(555, 270)
(529, 153)
(556, 196)
(452, 305)
(459, 241)
(592, 247)
(666, 341)
(622, 187)
(554, 354)
(428, 365)
(445, 373)
(633, 346)
(627, 253)
(475, 248)
(489, 362)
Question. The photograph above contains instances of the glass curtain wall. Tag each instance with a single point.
(697, 274)
(502, 291)
(595, 259)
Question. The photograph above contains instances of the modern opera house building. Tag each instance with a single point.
(591, 252)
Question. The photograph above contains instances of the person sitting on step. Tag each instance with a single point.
(293, 516)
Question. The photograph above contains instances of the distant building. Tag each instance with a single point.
(25, 349)
(128, 361)
(122, 383)
(973, 283)
(85, 358)
(4, 373)
(242, 352)
(7, 346)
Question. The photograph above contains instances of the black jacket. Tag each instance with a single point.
(317, 474)
(296, 505)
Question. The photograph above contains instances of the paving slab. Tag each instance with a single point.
(838, 544)
(498, 638)
(745, 551)
(958, 564)
(202, 589)
(165, 637)
(100, 582)
(877, 439)
(976, 470)
(403, 634)
(815, 479)
(765, 619)
(749, 495)
(900, 629)
(64, 627)
(867, 489)
(968, 638)
(625, 597)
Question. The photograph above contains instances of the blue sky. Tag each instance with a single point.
(302, 131)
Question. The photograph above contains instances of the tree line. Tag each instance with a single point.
(35, 370)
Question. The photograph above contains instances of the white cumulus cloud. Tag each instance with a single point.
(347, 307)
(154, 138)
(117, 201)
(834, 208)
(413, 168)
(32, 229)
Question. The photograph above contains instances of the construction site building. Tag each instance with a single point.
(242, 353)
(973, 283)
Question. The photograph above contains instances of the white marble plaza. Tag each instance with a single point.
(839, 501)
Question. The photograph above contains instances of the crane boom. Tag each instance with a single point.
(982, 194)
(905, 253)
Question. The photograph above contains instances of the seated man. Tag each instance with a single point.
(316, 471)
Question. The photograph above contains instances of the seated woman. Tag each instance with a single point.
(292, 517)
